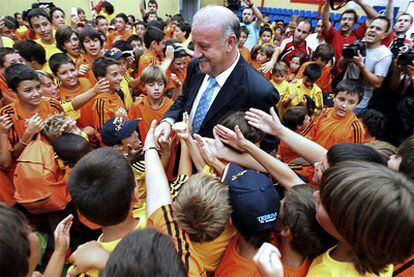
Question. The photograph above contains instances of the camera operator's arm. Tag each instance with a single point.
(395, 76)
(342, 62)
(326, 24)
(369, 77)
(256, 12)
(142, 8)
(369, 11)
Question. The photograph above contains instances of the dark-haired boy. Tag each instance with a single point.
(33, 53)
(8, 56)
(121, 33)
(255, 204)
(339, 124)
(108, 104)
(41, 23)
(305, 86)
(153, 42)
(102, 186)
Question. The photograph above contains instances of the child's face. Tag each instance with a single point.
(243, 38)
(92, 46)
(136, 44)
(13, 58)
(266, 37)
(306, 123)
(308, 83)
(152, 17)
(72, 45)
(323, 218)
(140, 29)
(344, 103)
(155, 90)
(42, 27)
(132, 141)
(49, 89)
(120, 24)
(278, 32)
(114, 76)
(29, 92)
(261, 57)
(178, 65)
(294, 64)
(278, 77)
(102, 25)
(68, 75)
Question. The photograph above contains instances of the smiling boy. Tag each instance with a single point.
(108, 104)
(339, 124)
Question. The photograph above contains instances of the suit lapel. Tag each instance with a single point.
(226, 93)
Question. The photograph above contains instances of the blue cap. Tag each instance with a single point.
(116, 54)
(116, 129)
(254, 200)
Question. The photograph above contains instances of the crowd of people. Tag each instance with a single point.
(226, 146)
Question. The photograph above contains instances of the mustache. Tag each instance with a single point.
(202, 59)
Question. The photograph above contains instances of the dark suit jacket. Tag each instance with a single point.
(245, 88)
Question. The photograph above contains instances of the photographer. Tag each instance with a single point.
(373, 68)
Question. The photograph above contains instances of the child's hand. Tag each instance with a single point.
(268, 261)
(102, 86)
(150, 141)
(88, 256)
(35, 124)
(83, 69)
(205, 150)
(5, 124)
(135, 155)
(165, 147)
(229, 137)
(267, 66)
(62, 235)
(183, 129)
(169, 52)
(121, 112)
(175, 80)
(268, 123)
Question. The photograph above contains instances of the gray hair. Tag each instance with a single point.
(212, 16)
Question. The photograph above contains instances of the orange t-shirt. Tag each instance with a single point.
(324, 82)
(286, 153)
(299, 271)
(245, 53)
(328, 130)
(124, 35)
(142, 109)
(104, 108)
(405, 269)
(145, 60)
(89, 75)
(84, 115)
(258, 66)
(6, 189)
(233, 264)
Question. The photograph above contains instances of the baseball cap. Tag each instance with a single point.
(116, 129)
(254, 200)
(116, 54)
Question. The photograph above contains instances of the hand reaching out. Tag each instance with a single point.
(102, 86)
(135, 155)
(228, 136)
(150, 140)
(268, 261)
(90, 255)
(5, 124)
(34, 124)
(183, 129)
(205, 150)
(62, 235)
(83, 69)
(268, 123)
(121, 112)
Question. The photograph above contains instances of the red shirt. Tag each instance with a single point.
(338, 40)
(288, 49)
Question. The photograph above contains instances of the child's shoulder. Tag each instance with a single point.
(9, 109)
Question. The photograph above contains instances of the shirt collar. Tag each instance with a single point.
(223, 76)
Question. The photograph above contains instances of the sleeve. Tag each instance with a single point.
(360, 31)
(98, 114)
(318, 98)
(310, 131)
(163, 219)
(55, 105)
(330, 35)
(381, 68)
(177, 184)
(357, 132)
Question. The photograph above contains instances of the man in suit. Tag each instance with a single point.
(219, 79)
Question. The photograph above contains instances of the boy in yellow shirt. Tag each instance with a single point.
(305, 86)
(278, 80)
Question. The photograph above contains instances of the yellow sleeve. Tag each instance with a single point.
(67, 106)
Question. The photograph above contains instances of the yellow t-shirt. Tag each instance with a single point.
(50, 50)
(110, 246)
(211, 253)
(125, 89)
(7, 42)
(324, 265)
(298, 90)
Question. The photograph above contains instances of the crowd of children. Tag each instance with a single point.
(87, 189)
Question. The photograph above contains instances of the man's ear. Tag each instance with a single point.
(153, 44)
(232, 43)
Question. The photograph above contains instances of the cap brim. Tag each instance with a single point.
(129, 128)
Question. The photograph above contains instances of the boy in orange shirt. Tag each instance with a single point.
(177, 70)
(244, 52)
(29, 111)
(255, 204)
(155, 104)
(120, 33)
(108, 104)
(8, 56)
(339, 124)
(153, 42)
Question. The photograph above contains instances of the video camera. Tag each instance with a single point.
(406, 57)
(339, 3)
(352, 49)
(397, 45)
